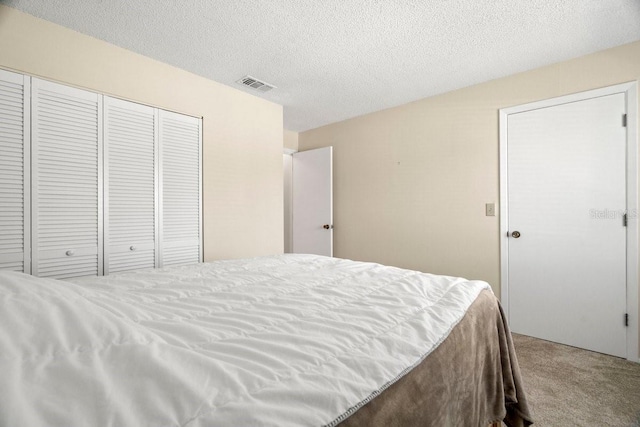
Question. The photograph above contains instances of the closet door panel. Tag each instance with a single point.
(14, 172)
(67, 181)
(181, 230)
(130, 183)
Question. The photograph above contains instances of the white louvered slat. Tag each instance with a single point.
(180, 145)
(67, 181)
(68, 267)
(14, 266)
(14, 172)
(124, 261)
(181, 255)
(130, 180)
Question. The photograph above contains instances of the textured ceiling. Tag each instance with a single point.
(336, 59)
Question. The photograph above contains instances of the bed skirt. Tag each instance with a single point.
(471, 379)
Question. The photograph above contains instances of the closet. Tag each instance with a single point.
(65, 181)
(92, 185)
(131, 212)
(15, 184)
(181, 188)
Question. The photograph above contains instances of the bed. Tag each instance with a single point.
(289, 340)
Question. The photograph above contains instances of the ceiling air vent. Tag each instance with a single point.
(255, 84)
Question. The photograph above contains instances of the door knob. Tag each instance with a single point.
(326, 226)
(515, 234)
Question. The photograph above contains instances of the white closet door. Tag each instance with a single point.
(67, 181)
(14, 172)
(180, 175)
(130, 185)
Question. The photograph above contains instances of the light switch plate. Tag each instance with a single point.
(490, 209)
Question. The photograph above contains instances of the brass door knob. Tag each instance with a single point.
(515, 234)
(326, 226)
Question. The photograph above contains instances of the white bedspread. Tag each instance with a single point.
(293, 340)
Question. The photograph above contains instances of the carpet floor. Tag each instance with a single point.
(568, 386)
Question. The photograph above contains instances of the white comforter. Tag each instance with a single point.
(294, 340)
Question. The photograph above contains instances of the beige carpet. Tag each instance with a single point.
(567, 386)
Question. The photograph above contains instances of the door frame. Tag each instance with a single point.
(630, 91)
(288, 196)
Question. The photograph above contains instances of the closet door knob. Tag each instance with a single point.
(69, 253)
(132, 248)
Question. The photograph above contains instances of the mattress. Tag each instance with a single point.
(292, 340)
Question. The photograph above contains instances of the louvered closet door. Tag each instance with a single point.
(14, 172)
(67, 181)
(180, 138)
(130, 183)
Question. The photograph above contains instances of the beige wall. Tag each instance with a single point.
(411, 182)
(290, 140)
(242, 158)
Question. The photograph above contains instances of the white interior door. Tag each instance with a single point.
(566, 189)
(313, 202)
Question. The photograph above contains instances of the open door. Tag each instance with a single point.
(312, 202)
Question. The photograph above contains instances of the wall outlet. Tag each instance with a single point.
(490, 209)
